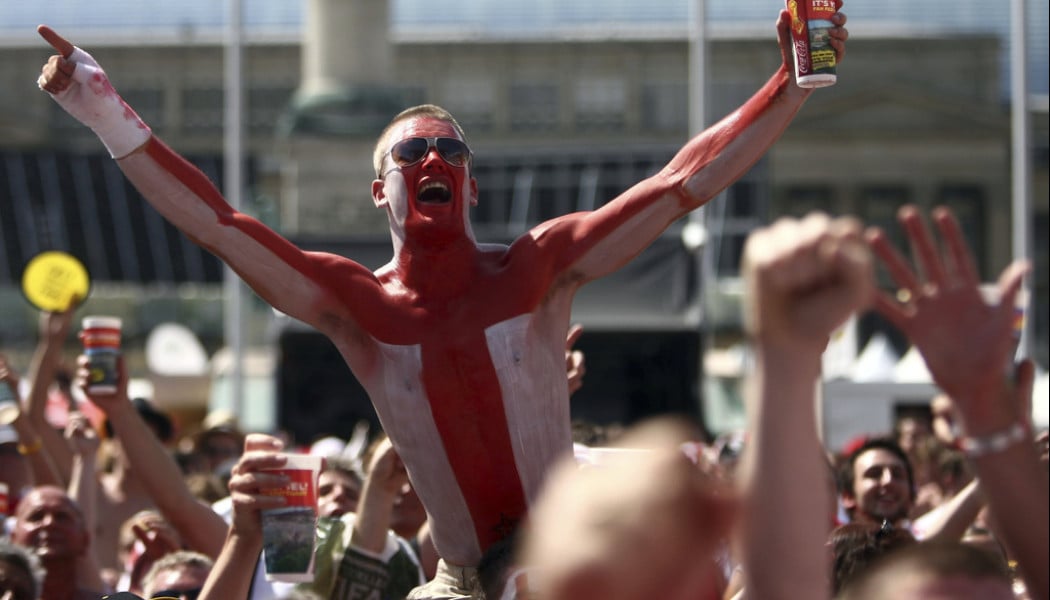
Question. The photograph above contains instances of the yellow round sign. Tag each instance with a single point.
(53, 281)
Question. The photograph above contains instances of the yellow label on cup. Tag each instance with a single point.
(55, 280)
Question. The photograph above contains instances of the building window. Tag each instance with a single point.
(202, 110)
(412, 95)
(266, 106)
(473, 103)
(149, 104)
(665, 107)
(879, 205)
(732, 216)
(967, 202)
(801, 200)
(496, 184)
(601, 104)
(533, 107)
(520, 191)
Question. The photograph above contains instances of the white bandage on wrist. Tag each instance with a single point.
(92, 100)
(978, 446)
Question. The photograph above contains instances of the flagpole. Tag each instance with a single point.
(1020, 156)
(233, 154)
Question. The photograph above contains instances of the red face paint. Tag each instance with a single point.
(429, 199)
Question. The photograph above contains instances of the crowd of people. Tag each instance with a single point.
(952, 501)
(479, 485)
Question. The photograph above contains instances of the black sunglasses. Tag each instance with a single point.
(176, 594)
(409, 151)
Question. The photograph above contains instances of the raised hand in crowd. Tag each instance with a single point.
(383, 484)
(83, 484)
(968, 343)
(235, 566)
(53, 331)
(152, 538)
(202, 528)
(41, 469)
(802, 280)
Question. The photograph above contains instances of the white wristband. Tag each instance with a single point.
(978, 446)
(91, 99)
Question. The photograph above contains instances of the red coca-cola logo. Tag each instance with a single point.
(802, 54)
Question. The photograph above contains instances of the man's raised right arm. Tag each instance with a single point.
(291, 280)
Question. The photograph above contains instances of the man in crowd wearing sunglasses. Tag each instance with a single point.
(460, 344)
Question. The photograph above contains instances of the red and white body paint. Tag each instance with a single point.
(461, 345)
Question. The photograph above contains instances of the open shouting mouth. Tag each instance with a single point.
(434, 192)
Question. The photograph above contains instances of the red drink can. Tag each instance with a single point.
(810, 42)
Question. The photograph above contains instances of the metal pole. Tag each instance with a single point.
(234, 184)
(697, 66)
(1020, 155)
(697, 227)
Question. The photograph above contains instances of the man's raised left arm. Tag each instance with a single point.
(607, 238)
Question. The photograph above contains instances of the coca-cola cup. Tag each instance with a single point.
(815, 59)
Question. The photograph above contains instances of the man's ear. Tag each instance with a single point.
(473, 192)
(378, 193)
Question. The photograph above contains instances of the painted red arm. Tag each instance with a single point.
(329, 292)
(590, 245)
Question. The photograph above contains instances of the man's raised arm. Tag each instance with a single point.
(610, 236)
(968, 344)
(286, 277)
(803, 279)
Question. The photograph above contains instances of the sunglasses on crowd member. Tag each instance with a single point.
(410, 151)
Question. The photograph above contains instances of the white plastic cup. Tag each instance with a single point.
(815, 59)
(289, 532)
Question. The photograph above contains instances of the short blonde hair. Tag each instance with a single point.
(422, 110)
(179, 560)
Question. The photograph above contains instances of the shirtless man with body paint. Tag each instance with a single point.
(460, 344)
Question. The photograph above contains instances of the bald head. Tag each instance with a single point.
(50, 523)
